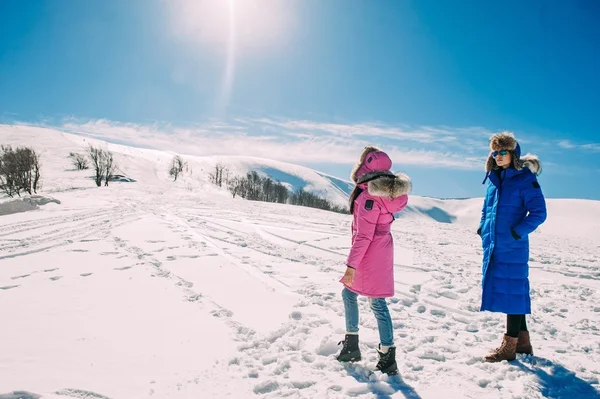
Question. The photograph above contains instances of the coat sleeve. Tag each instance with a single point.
(484, 207)
(534, 201)
(483, 212)
(403, 202)
(366, 221)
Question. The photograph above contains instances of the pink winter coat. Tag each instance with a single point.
(379, 194)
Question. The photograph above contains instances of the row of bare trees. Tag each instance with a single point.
(258, 188)
(20, 170)
(304, 198)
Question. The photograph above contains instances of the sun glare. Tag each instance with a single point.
(258, 24)
(231, 29)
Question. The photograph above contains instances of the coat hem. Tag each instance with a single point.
(482, 309)
(359, 292)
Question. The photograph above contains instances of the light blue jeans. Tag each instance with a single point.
(380, 310)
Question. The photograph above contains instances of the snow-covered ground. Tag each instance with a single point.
(160, 290)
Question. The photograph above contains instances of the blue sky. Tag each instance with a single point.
(313, 82)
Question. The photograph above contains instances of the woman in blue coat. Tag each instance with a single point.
(514, 206)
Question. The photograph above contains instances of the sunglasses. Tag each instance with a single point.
(501, 152)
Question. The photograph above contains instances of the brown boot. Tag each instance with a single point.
(506, 351)
(523, 344)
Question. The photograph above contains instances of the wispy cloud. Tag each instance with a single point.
(425, 134)
(309, 142)
(567, 144)
(292, 141)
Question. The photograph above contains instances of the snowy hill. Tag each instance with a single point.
(151, 289)
(152, 166)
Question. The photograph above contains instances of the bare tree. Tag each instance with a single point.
(217, 177)
(79, 161)
(177, 166)
(235, 186)
(267, 190)
(24, 173)
(281, 193)
(97, 158)
(36, 171)
(109, 166)
(9, 172)
(19, 170)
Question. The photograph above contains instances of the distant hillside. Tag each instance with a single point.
(148, 167)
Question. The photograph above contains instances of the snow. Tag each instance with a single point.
(155, 289)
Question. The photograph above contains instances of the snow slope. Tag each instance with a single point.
(152, 166)
(160, 290)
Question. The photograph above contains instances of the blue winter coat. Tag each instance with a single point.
(513, 200)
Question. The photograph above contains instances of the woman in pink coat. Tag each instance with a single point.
(377, 196)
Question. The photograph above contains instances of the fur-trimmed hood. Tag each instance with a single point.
(387, 185)
(372, 172)
(507, 141)
(372, 159)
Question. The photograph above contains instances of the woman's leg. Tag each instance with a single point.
(350, 351)
(384, 321)
(523, 324)
(513, 324)
(351, 311)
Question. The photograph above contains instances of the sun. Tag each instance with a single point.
(253, 25)
(231, 30)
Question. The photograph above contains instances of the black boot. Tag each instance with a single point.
(350, 351)
(387, 362)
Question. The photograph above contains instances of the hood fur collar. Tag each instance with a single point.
(388, 185)
(528, 161)
(382, 184)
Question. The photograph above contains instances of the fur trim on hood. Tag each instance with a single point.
(529, 161)
(391, 186)
(382, 184)
(504, 141)
(367, 150)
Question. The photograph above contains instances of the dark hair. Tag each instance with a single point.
(353, 196)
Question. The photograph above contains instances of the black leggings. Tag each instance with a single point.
(514, 324)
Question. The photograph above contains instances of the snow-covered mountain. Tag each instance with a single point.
(154, 289)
